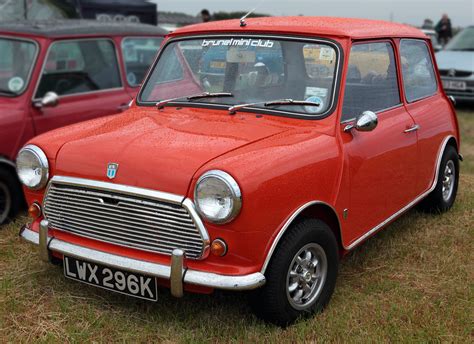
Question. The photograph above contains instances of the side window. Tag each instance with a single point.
(419, 77)
(371, 80)
(74, 67)
(138, 55)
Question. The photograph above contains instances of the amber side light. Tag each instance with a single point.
(219, 248)
(34, 211)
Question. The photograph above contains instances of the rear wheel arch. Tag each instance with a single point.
(312, 210)
(452, 142)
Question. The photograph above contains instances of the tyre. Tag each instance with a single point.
(11, 196)
(301, 276)
(442, 198)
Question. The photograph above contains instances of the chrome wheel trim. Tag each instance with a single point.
(306, 276)
(448, 181)
(5, 202)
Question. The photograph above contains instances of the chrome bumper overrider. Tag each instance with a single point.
(177, 273)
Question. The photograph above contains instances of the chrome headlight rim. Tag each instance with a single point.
(234, 188)
(43, 161)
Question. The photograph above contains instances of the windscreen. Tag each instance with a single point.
(463, 41)
(251, 69)
(16, 61)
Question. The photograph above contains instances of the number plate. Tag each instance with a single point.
(454, 85)
(132, 284)
(218, 64)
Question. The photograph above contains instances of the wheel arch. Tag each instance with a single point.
(8, 165)
(315, 210)
(453, 142)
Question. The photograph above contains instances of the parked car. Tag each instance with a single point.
(434, 39)
(456, 65)
(254, 181)
(57, 73)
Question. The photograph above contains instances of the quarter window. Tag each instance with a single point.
(138, 55)
(74, 67)
(418, 72)
(371, 80)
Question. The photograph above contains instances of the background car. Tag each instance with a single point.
(57, 73)
(434, 39)
(456, 65)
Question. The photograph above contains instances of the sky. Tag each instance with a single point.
(411, 12)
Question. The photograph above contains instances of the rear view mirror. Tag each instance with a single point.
(367, 121)
(50, 99)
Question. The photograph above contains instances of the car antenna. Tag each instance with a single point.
(243, 23)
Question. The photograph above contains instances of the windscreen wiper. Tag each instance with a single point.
(233, 109)
(10, 93)
(161, 104)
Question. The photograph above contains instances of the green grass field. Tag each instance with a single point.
(413, 282)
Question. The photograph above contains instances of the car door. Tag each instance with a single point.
(427, 106)
(85, 74)
(382, 164)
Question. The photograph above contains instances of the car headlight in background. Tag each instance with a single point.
(32, 167)
(217, 196)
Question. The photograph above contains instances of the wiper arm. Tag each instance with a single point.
(161, 104)
(233, 109)
(8, 92)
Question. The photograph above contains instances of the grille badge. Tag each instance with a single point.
(112, 170)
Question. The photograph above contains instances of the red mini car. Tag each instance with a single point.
(62, 72)
(256, 155)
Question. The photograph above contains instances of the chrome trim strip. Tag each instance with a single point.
(147, 193)
(207, 279)
(125, 189)
(408, 206)
(287, 225)
(336, 81)
(55, 41)
(206, 240)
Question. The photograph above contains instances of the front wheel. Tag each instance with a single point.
(442, 198)
(10, 196)
(301, 276)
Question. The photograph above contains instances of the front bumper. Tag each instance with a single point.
(177, 273)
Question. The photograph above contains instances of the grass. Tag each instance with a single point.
(414, 282)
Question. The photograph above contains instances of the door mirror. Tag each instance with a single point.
(50, 99)
(367, 121)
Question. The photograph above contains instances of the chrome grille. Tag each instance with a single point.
(124, 219)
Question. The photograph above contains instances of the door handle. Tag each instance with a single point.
(412, 129)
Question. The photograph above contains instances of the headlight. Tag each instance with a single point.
(218, 197)
(32, 167)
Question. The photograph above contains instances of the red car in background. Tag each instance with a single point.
(58, 73)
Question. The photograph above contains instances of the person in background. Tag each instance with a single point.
(206, 16)
(428, 24)
(444, 30)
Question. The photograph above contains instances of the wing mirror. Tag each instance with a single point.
(367, 121)
(50, 99)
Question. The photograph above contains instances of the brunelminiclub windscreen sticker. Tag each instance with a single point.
(238, 42)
